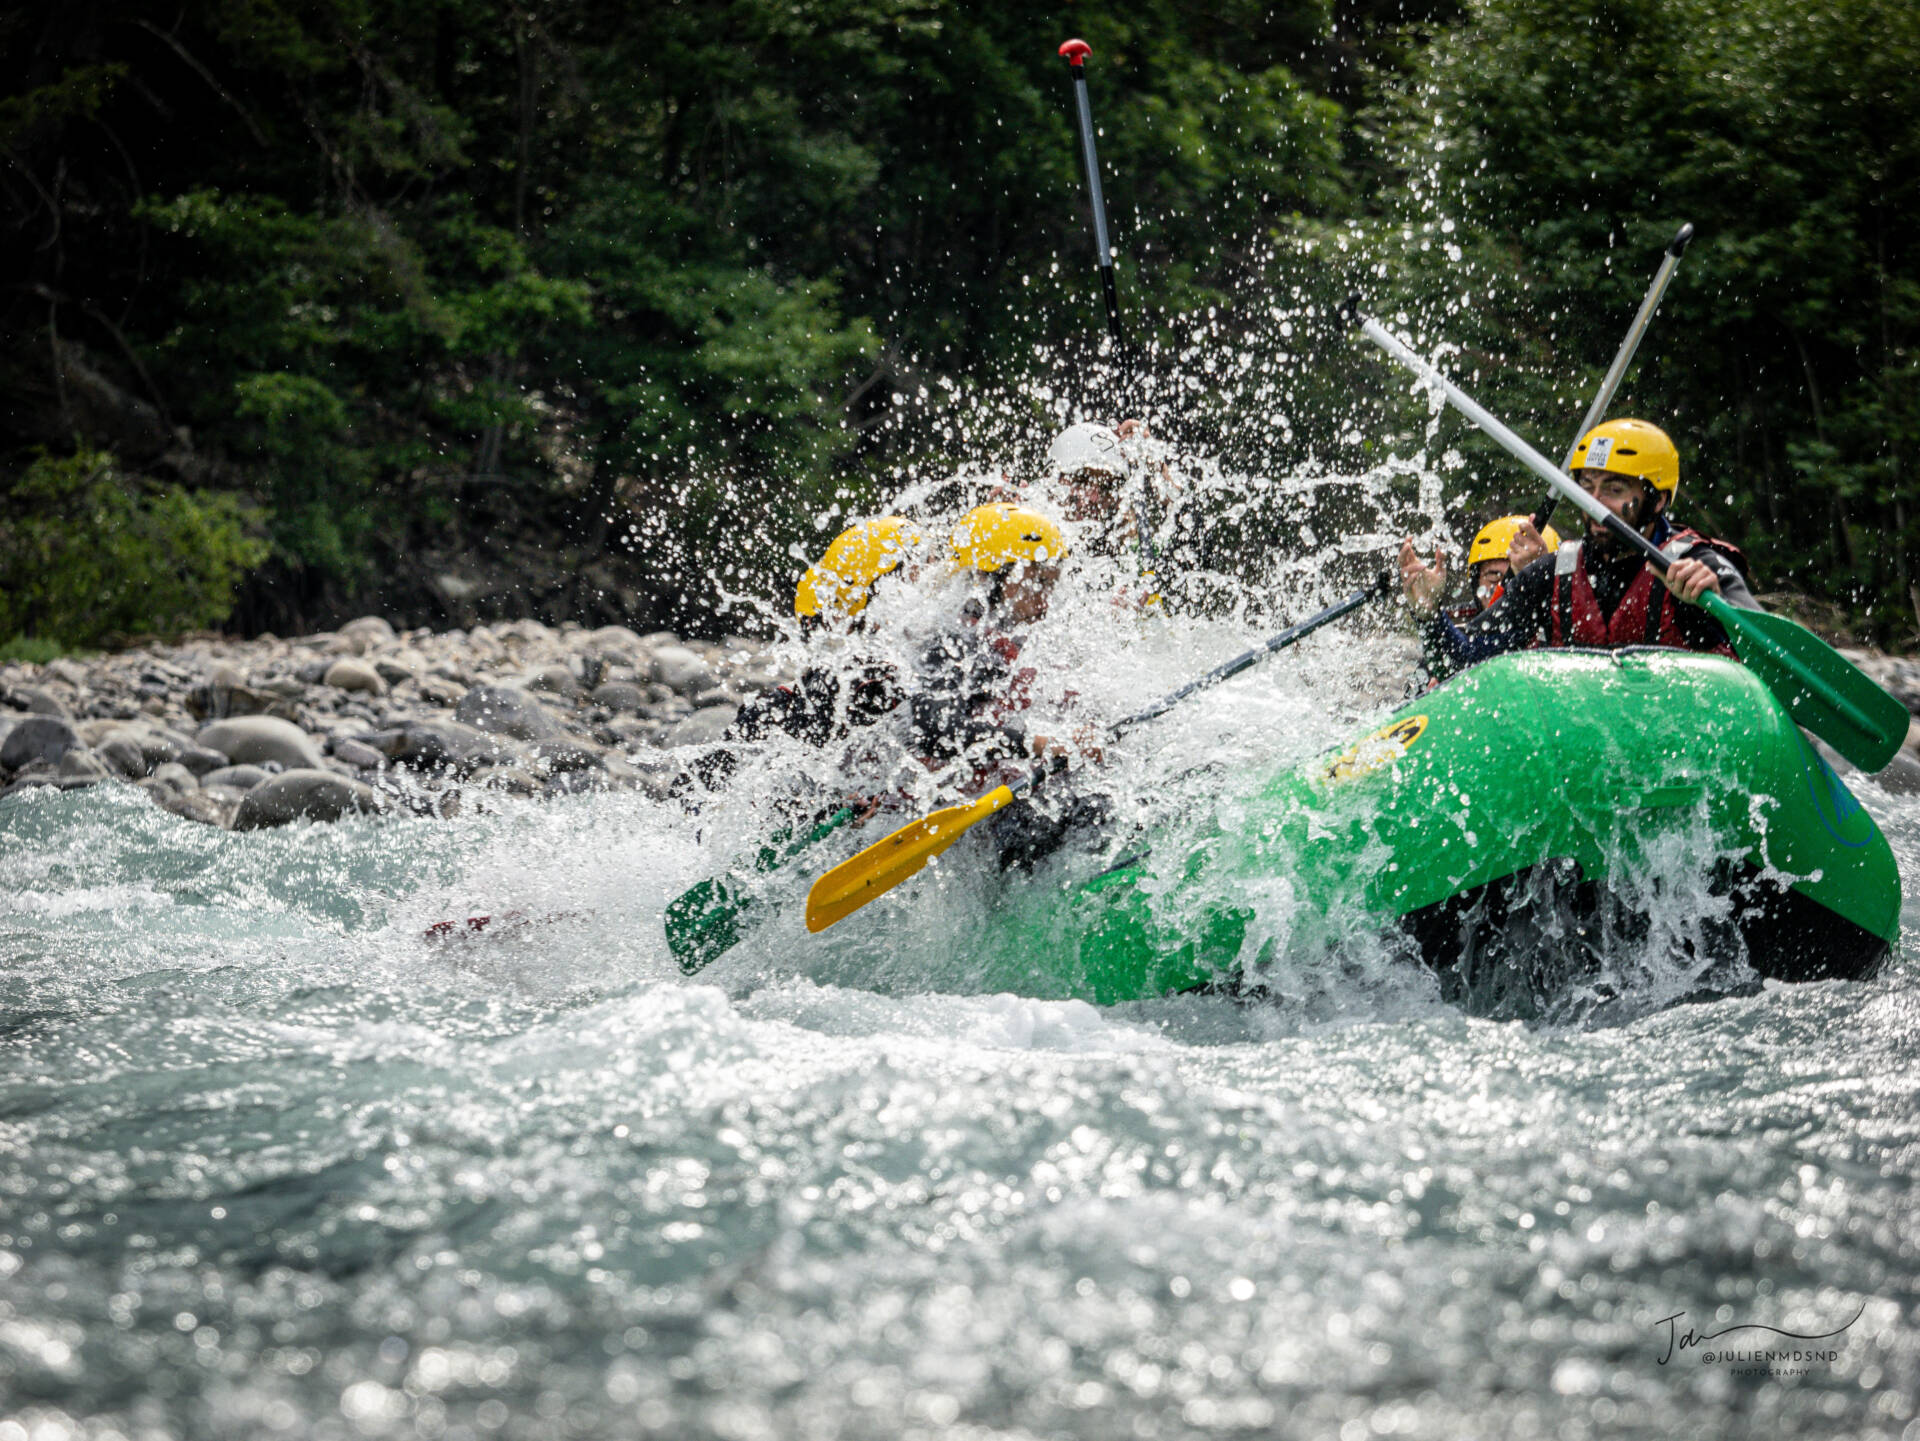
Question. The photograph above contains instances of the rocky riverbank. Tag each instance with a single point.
(252, 733)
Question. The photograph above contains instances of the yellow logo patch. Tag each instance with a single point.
(1370, 753)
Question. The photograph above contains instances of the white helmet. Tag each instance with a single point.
(1087, 445)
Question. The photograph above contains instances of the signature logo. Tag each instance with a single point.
(1685, 1338)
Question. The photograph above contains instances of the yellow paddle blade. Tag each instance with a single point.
(884, 864)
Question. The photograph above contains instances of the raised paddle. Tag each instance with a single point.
(1820, 689)
(1616, 372)
(885, 864)
(1075, 53)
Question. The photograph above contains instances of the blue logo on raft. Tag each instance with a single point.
(1836, 806)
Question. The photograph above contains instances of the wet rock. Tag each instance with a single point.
(37, 701)
(258, 739)
(505, 711)
(304, 795)
(441, 691)
(719, 695)
(358, 754)
(355, 675)
(368, 633)
(511, 779)
(397, 670)
(174, 776)
(556, 680)
(213, 701)
(235, 778)
(432, 745)
(37, 738)
(83, 764)
(681, 671)
(201, 759)
(1901, 777)
(703, 727)
(209, 808)
(124, 758)
(566, 754)
(619, 696)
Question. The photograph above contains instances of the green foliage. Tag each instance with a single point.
(92, 553)
(436, 280)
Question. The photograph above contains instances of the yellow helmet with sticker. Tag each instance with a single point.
(1496, 539)
(1631, 447)
(994, 536)
(842, 580)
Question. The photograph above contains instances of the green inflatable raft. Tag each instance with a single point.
(1537, 792)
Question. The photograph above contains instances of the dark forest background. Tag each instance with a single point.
(464, 308)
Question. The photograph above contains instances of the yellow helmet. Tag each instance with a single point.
(1631, 447)
(842, 580)
(992, 537)
(1496, 539)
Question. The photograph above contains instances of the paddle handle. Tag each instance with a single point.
(1623, 358)
(1534, 461)
(1075, 52)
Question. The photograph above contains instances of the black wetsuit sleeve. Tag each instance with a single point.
(1509, 624)
(946, 713)
(1700, 629)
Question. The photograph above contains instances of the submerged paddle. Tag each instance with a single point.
(885, 864)
(1820, 689)
(1622, 359)
(703, 922)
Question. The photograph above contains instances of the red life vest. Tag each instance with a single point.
(1645, 614)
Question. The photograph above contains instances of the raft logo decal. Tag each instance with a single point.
(1370, 753)
(1836, 806)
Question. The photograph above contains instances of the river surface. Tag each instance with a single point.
(273, 1164)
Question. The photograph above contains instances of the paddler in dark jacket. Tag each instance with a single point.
(1597, 591)
(830, 700)
(968, 712)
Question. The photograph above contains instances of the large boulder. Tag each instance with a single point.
(368, 633)
(438, 744)
(304, 795)
(619, 695)
(257, 739)
(508, 712)
(681, 671)
(238, 778)
(350, 674)
(702, 728)
(37, 738)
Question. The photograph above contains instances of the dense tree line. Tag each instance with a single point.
(561, 306)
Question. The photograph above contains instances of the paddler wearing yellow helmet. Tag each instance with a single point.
(849, 690)
(1597, 591)
(840, 585)
(1509, 544)
(974, 698)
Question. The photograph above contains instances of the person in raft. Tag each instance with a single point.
(1502, 548)
(967, 711)
(1089, 469)
(1597, 591)
(854, 689)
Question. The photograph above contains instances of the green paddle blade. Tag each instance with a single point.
(1820, 688)
(706, 920)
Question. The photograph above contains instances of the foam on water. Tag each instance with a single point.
(273, 1163)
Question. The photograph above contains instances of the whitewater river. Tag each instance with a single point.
(271, 1163)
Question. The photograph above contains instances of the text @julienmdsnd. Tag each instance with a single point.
(1761, 1361)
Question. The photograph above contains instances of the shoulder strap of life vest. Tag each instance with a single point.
(1566, 561)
